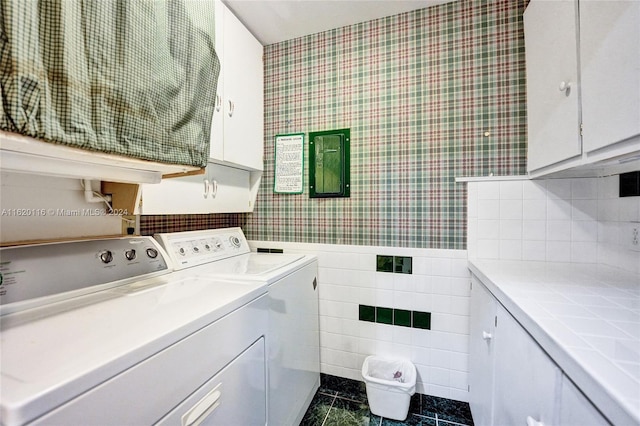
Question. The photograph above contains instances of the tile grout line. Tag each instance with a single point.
(329, 410)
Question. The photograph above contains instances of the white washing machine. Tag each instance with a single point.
(102, 332)
(293, 338)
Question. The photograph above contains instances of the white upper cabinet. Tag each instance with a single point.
(552, 82)
(221, 189)
(232, 178)
(583, 86)
(610, 74)
(238, 121)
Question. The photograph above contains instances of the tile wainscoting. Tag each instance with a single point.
(438, 284)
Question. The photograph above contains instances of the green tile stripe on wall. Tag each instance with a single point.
(418, 91)
(399, 317)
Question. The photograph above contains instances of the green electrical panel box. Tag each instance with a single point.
(329, 164)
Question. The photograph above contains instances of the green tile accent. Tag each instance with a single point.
(422, 320)
(402, 264)
(384, 315)
(402, 317)
(367, 313)
(384, 263)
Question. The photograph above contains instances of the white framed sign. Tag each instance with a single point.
(289, 164)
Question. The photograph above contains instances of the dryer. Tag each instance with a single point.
(293, 337)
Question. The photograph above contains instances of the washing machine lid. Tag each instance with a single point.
(52, 353)
(254, 265)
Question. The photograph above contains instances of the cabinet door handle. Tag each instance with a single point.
(214, 188)
(532, 422)
(565, 86)
(218, 102)
(199, 412)
(207, 188)
(231, 108)
(487, 336)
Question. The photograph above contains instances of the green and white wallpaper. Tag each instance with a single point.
(429, 96)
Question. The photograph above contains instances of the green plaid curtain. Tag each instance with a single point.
(129, 77)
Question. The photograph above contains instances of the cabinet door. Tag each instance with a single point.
(552, 65)
(610, 67)
(220, 190)
(526, 380)
(481, 359)
(216, 147)
(243, 95)
(576, 409)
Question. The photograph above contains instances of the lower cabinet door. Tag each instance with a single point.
(237, 395)
(481, 353)
(526, 380)
(576, 409)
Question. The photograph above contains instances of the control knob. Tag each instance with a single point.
(152, 253)
(130, 254)
(106, 256)
(235, 241)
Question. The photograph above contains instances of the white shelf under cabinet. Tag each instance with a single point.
(22, 154)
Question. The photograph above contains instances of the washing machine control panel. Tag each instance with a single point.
(193, 248)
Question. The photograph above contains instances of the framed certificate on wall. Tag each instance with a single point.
(289, 164)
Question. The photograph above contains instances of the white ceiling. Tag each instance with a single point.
(273, 21)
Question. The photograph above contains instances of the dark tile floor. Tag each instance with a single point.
(343, 402)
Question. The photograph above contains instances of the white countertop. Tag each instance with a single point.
(586, 317)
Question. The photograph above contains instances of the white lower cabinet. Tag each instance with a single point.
(576, 409)
(481, 343)
(526, 380)
(512, 380)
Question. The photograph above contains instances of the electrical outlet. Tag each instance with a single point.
(632, 236)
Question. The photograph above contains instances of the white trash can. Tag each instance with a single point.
(390, 384)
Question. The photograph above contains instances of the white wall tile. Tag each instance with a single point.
(582, 231)
(511, 249)
(489, 249)
(608, 187)
(534, 190)
(488, 209)
(608, 210)
(535, 230)
(489, 191)
(488, 229)
(629, 209)
(511, 190)
(534, 209)
(584, 252)
(558, 209)
(584, 189)
(558, 230)
(558, 251)
(584, 210)
(559, 189)
(511, 209)
(510, 229)
(534, 250)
